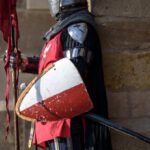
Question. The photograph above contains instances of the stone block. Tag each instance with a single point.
(129, 104)
(124, 34)
(38, 4)
(126, 8)
(24, 129)
(21, 4)
(139, 103)
(127, 70)
(2, 45)
(2, 80)
(124, 142)
(33, 26)
(118, 105)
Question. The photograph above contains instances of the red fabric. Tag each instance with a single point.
(51, 52)
(7, 92)
(8, 18)
(8, 8)
(51, 130)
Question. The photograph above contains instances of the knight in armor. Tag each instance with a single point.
(73, 36)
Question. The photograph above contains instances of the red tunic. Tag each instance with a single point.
(51, 52)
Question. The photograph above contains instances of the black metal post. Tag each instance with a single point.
(117, 127)
(14, 79)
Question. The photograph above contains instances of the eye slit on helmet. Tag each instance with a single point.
(58, 6)
(75, 5)
(72, 3)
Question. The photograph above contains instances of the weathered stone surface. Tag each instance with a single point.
(118, 105)
(2, 45)
(124, 142)
(21, 4)
(2, 80)
(123, 34)
(129, 8)
(38, 5)
(140, 103)
(24, 128)
(129, 104)
(33, 25)
(127, 70)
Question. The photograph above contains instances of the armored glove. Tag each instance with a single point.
(25, 64)
(15, 59)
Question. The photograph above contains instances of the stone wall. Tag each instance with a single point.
(125, 38)
(124, 30)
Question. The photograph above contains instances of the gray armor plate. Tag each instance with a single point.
(78, 32)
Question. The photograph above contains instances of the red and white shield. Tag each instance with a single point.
(58, 93)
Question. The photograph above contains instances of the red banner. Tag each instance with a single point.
(8, 9)
(8, 21)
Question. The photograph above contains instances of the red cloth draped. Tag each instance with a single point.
(52, 52)
(7, 9)
(8, 19)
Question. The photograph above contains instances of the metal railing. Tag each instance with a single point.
(117, 127)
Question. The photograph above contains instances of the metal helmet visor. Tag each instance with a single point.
(54, 7)
(64, 3)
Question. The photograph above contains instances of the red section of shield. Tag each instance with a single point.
(67, 104)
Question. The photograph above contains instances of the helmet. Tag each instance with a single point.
(54, 7)
(58, 6)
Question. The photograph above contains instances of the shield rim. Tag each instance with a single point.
(26, 90)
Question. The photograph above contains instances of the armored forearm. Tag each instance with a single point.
(81, 58)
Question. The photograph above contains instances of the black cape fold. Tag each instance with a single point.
(97, 136)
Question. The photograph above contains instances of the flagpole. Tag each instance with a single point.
(15, 93)
(16, 125)
(117, 127)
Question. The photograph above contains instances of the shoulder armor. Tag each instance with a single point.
(78, 32)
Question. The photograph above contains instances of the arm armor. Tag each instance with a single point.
(81, 57)
(76, 48)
